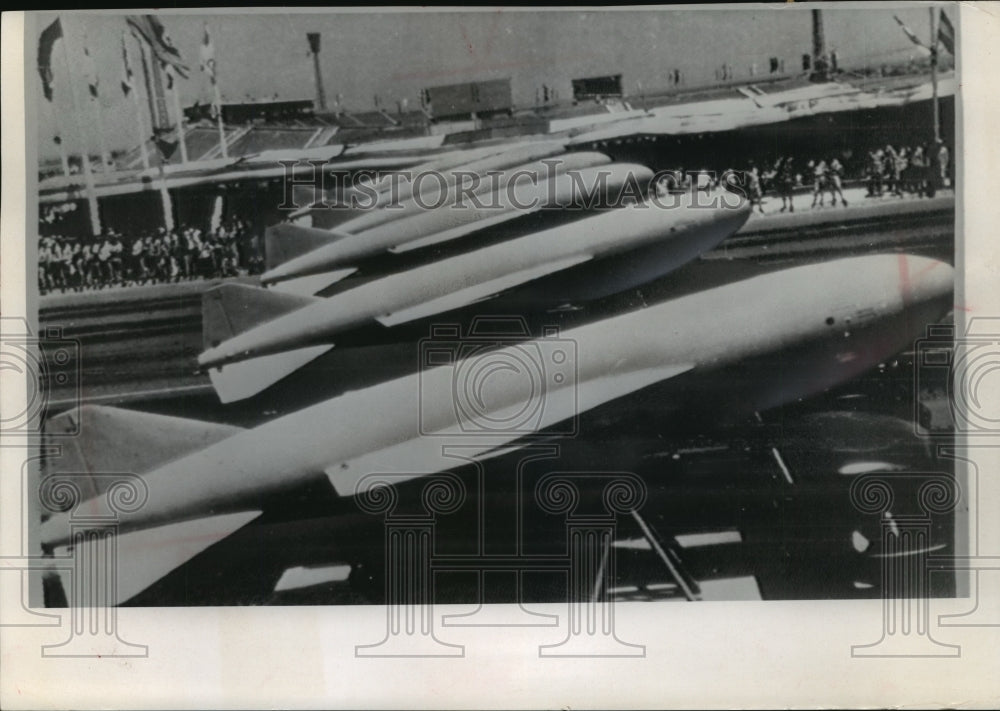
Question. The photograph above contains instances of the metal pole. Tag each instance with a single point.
(63, 159)
(141, 131)
(688, 587)
(218, 120)
(102, 141)
(95, 218)
(175, 95)
(934, 86)
(314, 45)
(95, 104)
(819, 68)
(214, 78)
(139, 122)
(168, 210)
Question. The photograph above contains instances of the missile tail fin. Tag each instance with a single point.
(109, 439)
(231, 309)
(144, 557)
(284, 242)
(246, 378)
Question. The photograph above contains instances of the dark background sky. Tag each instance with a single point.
(395, 54)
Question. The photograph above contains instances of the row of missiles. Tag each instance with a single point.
(799, 330)
(255, 337)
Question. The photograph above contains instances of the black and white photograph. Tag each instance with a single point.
(497, 318)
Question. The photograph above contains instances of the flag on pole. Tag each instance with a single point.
(909, 33)
(90, 69)
(946, 33)
(208, 55)
(48, 38)
(127, 76)
(154, 34)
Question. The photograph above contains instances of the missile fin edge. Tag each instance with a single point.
(246, 378)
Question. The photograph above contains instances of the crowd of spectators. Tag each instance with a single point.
(113, 259)
(917, 170)
(234, 249)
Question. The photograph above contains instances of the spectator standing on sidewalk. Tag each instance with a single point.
(786, 182)
(819, 178)
(943, 162)
(834, 183)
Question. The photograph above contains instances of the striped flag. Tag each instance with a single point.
(45, 42)
(909, 33)
(154, 34)
(90, 68)
(946, 33)
(127, 77)
(208, 55)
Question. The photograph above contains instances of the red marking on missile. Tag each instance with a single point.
(905, 285)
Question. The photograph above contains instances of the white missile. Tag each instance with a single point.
(819, 325)
(454, 161)
(286, 241)
(655, 239)
(527, 192)
(429, 186)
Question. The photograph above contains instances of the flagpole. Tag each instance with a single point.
(95, 103)
(95, 218)
(211, 66)
(165, 201)
(63, 158)
(175, 95)
(218, 120)
(140, 128)
(102, 141)
(137, 103)
(934, 84)
(168, 209)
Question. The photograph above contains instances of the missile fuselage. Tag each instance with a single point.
(526, 188)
